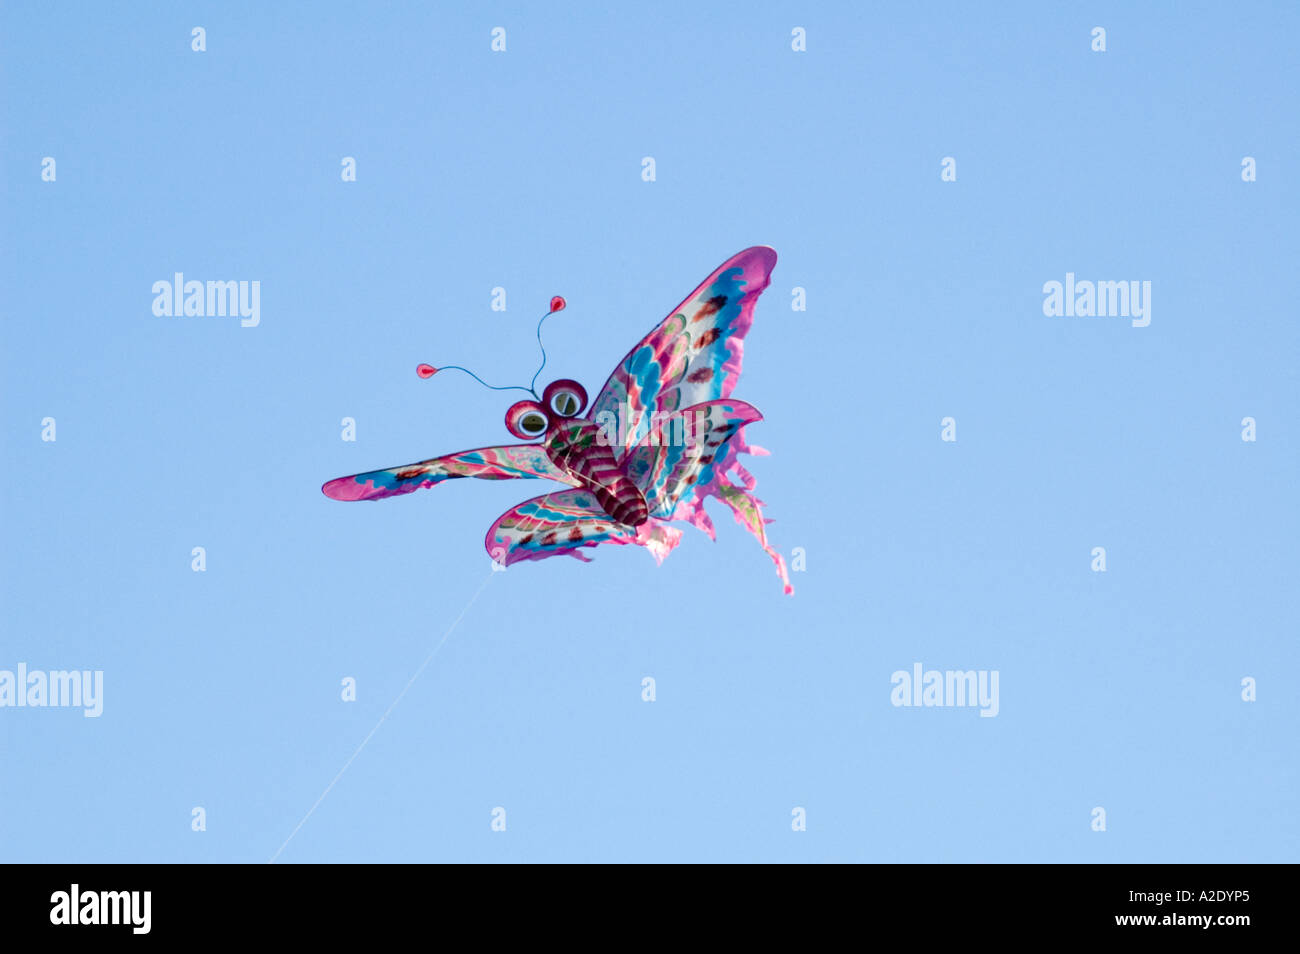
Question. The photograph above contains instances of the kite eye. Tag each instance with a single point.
(565, 398)
(526, 420)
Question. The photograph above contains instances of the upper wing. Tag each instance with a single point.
(693, 356)
(488, 463)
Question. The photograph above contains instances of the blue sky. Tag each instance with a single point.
(522, 169)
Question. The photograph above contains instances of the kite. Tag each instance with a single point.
(662, 435)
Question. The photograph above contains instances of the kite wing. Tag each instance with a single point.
(486, 463)
(565, 522)
(692, 356)
(688, 456)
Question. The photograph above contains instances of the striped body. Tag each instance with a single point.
(573, 446)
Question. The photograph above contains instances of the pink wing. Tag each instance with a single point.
(683, 451)
(689, 363)
(681, 461)
(486, 463)
(565, 522)
(693, 356)
(689, 456)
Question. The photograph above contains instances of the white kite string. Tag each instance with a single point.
(382, 719)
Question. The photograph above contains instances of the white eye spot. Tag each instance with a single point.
(565, 403)
(532, 423)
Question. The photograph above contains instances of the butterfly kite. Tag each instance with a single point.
(663, 434)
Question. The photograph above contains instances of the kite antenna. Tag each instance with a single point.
(557, 304)
(428, 370)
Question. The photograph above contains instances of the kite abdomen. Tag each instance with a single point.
(622, 500)
(575, 448)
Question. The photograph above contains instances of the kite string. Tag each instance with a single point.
(384, 718)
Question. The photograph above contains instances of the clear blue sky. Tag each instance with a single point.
(523, 170)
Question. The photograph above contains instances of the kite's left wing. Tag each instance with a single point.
(486, 463)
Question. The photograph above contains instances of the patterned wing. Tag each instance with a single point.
(692, 455)
(487, 463)
(693, 356)
(684, 450)
(551, 524)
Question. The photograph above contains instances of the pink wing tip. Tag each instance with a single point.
(344, 488)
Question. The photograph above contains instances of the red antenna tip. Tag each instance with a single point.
(426, 370)
(557, 304)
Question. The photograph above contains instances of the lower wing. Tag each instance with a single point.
(486, 463)
(565, 522)
(687, 457)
